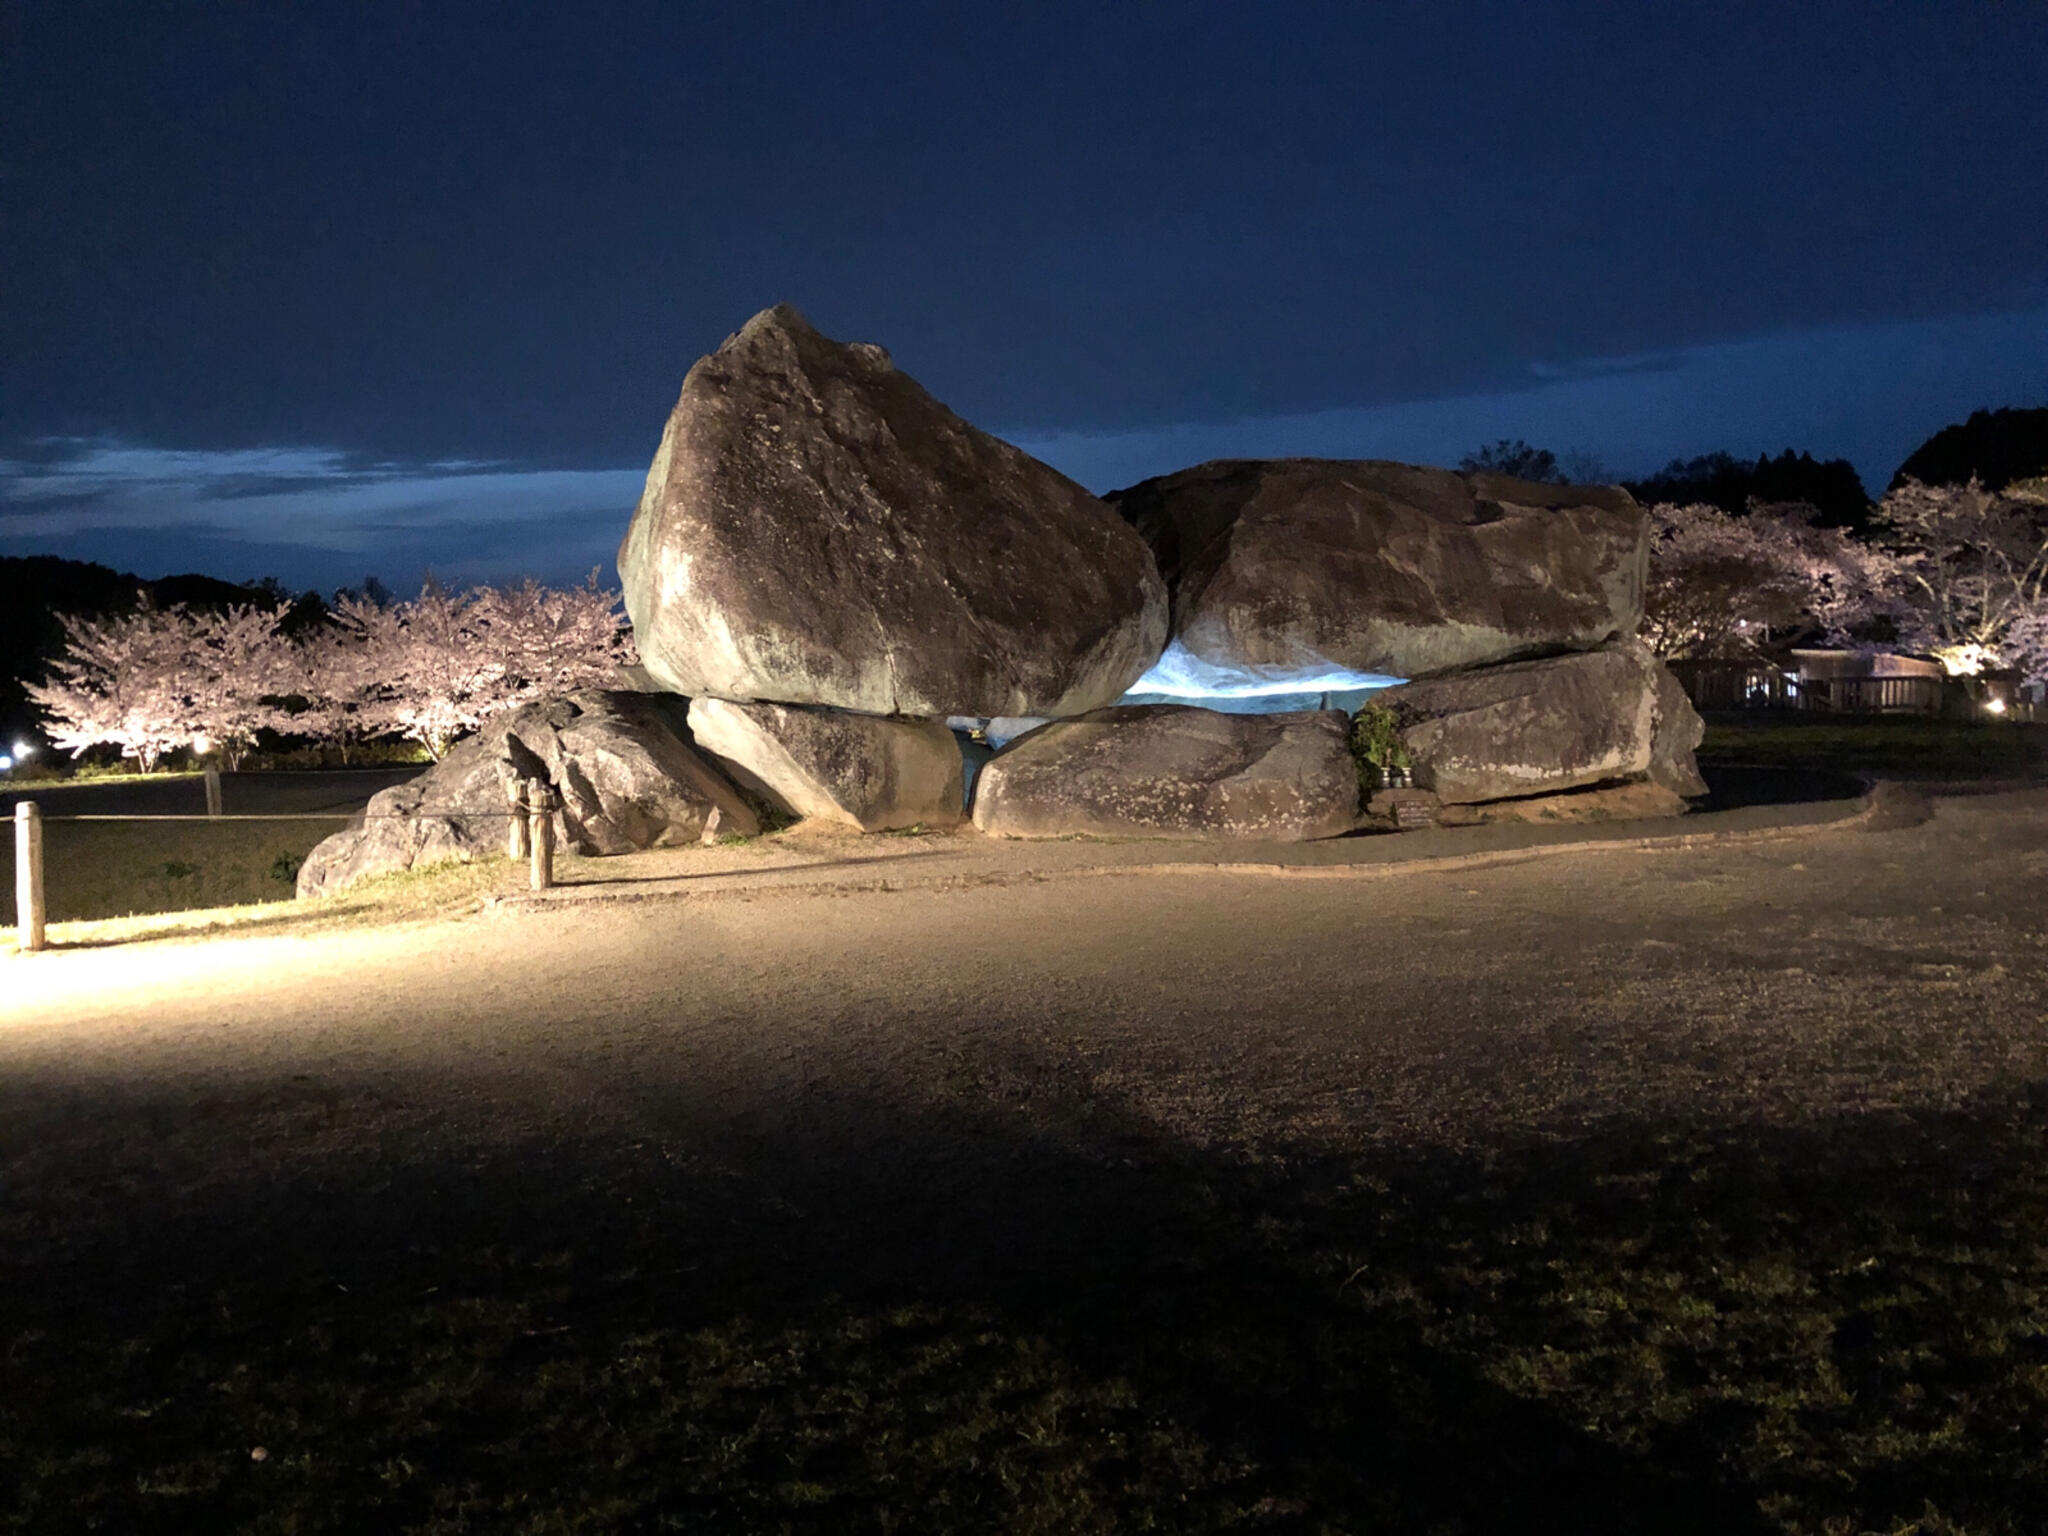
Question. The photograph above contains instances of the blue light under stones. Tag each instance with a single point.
(1180, 677)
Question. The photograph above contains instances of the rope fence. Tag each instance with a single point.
(529, 813)
(425, 810)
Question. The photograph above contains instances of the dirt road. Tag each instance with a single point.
(1835, 972)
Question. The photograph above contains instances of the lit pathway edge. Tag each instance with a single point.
(1014, 863)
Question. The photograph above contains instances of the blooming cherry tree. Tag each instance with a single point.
(438, 666)
(432, 668)
(1972, 564)
(1720, 583)
(438, 674)
(347, 700)
(158, 679)
(118, 682)
(2026, 643)
(236, 668)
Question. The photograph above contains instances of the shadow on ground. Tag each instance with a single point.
(860, 1316)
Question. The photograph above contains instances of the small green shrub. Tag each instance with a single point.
(285, 869)
(366, 754)
(87, 769)
(1376, 747)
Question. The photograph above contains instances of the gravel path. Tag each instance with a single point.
(806, 1059)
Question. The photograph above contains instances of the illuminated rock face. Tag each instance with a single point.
(817, 529)
(1165, 770)
(1365, 566)
(1538, 727)
(618, 760)
(861, 771)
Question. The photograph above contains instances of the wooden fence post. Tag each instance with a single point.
(517, 842)
(540, 802)
(28, 877)
(212, 792)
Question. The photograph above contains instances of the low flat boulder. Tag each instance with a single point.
(861, 771)
(817, 529)
(1372, 567)
(626, 778)
(1539, 727)
(1168, 770)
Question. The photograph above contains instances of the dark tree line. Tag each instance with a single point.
(1830, 486)
(1997, 447)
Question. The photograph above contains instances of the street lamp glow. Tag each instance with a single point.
(1996, 706)
(24, 749)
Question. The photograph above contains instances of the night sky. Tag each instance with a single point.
(320, 291)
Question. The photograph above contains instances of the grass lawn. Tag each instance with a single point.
(98, 869)
(1909, 746)
(94, 869)
(1829, 1332)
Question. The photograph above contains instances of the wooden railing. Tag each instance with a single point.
(1872, 695)
(1761, 685)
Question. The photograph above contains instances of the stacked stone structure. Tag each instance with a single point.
(831, 575)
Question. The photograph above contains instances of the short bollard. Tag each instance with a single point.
(212, 792)
(28, 877)
(517, 843)
(540, 811)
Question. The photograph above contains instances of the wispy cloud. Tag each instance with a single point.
(310, 509)
(315, 497)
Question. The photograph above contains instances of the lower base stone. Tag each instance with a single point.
(871, 772)
(1161, 770)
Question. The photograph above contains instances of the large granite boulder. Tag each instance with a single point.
(1385, 568)
(625, 776)
(862, 771)
(816, 529)
(1168, 770)
(1538, 727)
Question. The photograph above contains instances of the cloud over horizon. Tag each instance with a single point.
(312, 516)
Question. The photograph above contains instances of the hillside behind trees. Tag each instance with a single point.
(1998, 447)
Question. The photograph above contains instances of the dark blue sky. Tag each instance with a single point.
(324, 289)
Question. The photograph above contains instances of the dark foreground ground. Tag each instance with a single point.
(1697, 1189)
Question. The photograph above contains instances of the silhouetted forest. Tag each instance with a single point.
(1722, 480)
(1998, 447)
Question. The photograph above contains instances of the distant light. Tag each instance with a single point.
(202, 743)
(1965, 660)
(24, 749)
(1996, 706)
(6, 762)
